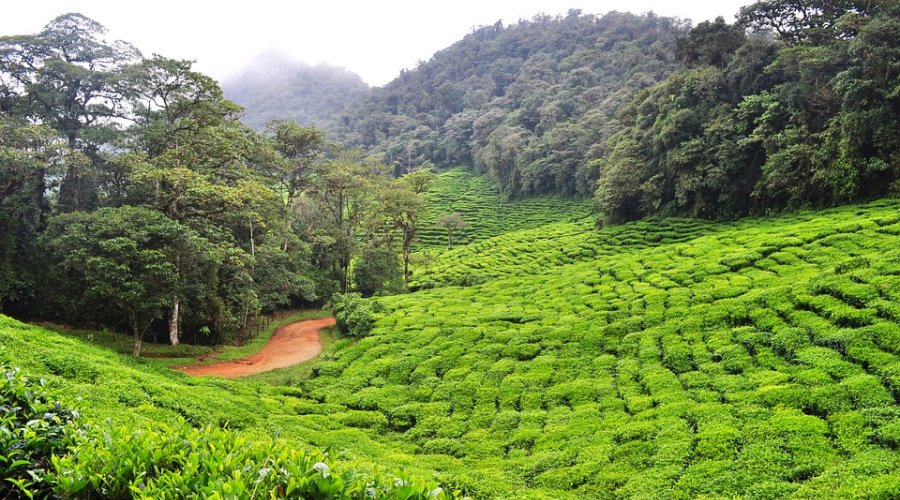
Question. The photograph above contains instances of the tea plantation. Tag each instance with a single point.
(663, 359)
(487, 213)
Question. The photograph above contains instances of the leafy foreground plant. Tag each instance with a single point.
(181, 461)
(44, 451)
(31, 430)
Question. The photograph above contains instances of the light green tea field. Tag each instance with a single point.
(667, 358)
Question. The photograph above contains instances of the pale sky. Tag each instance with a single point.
(375, 39)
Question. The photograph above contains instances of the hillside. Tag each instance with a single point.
(530, 103)
(667, 358)
(276, 88)
(753, 359)
(486, 213)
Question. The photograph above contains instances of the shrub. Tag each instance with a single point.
(355, 315)
(181, 461)
(31, 431)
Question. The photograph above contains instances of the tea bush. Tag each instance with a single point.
(32, 430)
(355, 317)
(182, 461)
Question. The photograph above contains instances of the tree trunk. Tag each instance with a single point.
(173, 322)
(138, 335)
(407, 251)
(253, 242)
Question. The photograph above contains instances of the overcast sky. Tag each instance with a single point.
(375, 39)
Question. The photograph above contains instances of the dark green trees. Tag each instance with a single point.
(29, 157)
(130, 260)
(133, 185)
(531, 103)
(753, 123)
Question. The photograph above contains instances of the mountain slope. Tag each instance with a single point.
(274, 87)
(532, 103)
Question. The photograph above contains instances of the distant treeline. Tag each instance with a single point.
(530, 103)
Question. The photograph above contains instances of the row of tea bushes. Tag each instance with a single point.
(756, 359)
(149, 432)
(488, 214)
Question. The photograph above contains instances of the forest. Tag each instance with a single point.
(582, 256)
(795, 104)
(132, 193)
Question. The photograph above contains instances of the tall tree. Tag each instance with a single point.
(190, 159)
(298, 149)
(799, 21)
(67, 77)
(404, 208)
(126, 257)
(343, 194)
(452, 223)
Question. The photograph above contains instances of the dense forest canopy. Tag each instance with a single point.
(133, 197)
(529, 103)
(796, 104)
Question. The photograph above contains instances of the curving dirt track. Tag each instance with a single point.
(289, 345)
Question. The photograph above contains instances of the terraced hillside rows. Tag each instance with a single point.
(663, 359)
(487, 213)
(151, 432)
(521, 253)
(759, 359)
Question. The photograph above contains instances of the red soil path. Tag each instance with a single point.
(291, 344)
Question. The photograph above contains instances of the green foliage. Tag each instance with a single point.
(754, 124)
(264, 220)
(355, 315)
(126, 257)
(378, 271)
(181, 461)
(530, 103)
(546, 358)
(33, 431)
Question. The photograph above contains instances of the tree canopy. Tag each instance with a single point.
(133, 183)
(802, 111)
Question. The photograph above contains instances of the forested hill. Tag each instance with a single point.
(274, 88)
(777, 110)
(530, 103)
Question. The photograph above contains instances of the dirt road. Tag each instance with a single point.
(289, 345)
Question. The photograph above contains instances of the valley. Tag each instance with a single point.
(580, 256)
(753, 358)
